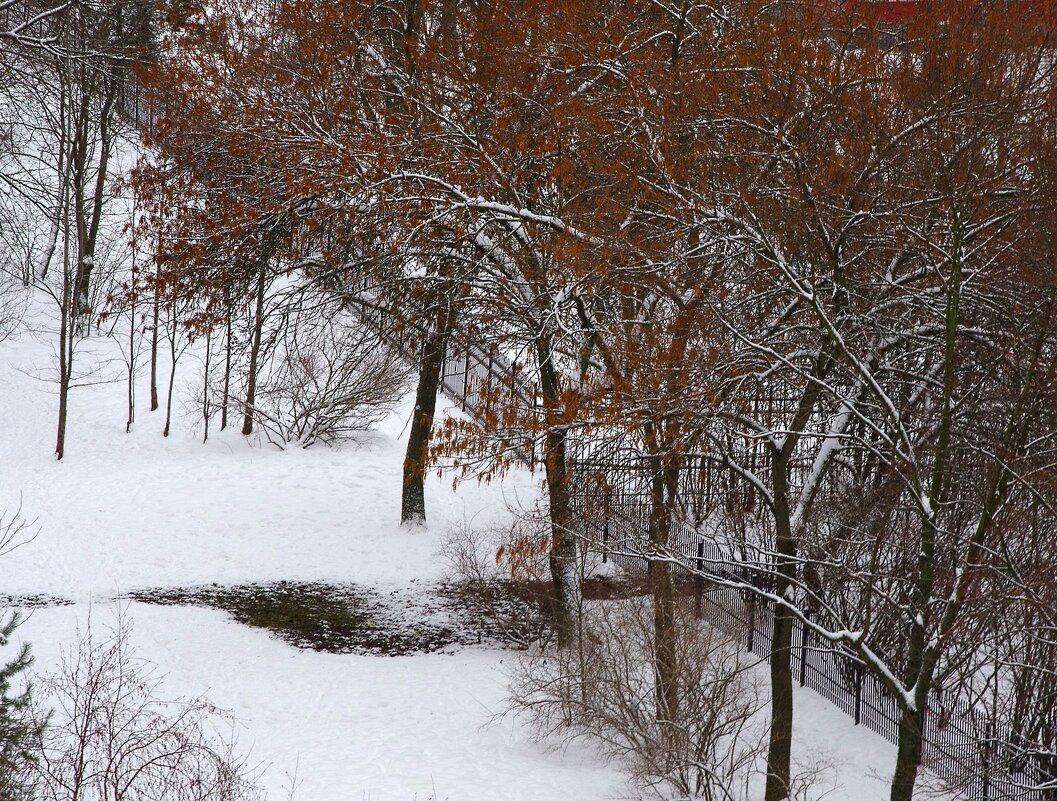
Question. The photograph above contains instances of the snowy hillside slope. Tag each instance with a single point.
(126, 512)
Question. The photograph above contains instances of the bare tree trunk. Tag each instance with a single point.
(56, 225)
(205, 387)
(79, 166)
(65, 368)
(88, 225)
(132, 361)
(908, 755)
(664, 480)
(65, 299)
(413, 496)
(779, 770)
(565, 570)
(65, 339)
(255, 349)
(920, 664)
(154, 351)
(173, 333)
(227, 361)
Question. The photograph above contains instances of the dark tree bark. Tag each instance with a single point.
(154, 351)
(89, 211)
(780, 742)
(206, 411)
(66, 336)
(131, 384)
(173, 333)
(413, 498)
(779, 773)
(65, 300)
(664, 483)
(227, 361)
(908, 755)
(565, 572)
(255, 348)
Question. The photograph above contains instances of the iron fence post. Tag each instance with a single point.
(699, 579)
(987, 763)
(605, 523)
(803, 648)
(466, 379)
(858, 693)
(752, 619)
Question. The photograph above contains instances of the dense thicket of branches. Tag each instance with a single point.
(807, 249)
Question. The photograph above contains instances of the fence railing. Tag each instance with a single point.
(469, 370)
(962, 746)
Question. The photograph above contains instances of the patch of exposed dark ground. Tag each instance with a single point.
(351, 619)
(335, 618)
(33, 601)
(518, 613)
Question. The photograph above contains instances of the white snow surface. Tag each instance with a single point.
(131, 511)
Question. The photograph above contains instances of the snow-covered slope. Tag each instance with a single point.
(127, 511)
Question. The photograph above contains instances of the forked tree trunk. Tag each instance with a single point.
(90, 216)
(413, 496)
(780, 742)
(920, 666)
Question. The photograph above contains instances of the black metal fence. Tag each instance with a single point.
(470, 370)
(962, 746)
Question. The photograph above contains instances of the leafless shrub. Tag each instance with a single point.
(13, 300)
(604, 690)
(327, 379)
(518, 551)
(111, 737)
(501, 576)
(15, 530)
(813, 779)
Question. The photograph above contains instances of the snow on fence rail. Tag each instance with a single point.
(960, 744)
(469, 368)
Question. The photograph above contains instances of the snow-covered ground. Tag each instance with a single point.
(129, 511)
